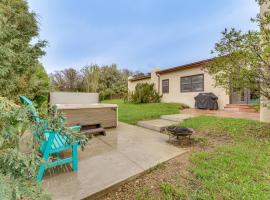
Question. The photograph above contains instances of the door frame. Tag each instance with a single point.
(240, 97)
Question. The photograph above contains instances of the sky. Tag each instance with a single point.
(137, 35)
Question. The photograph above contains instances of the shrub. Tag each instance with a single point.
(144, 93)
(17, 170)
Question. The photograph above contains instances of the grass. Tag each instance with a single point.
(236, 170)
(225, 126)
(170, 192)
(132, 113)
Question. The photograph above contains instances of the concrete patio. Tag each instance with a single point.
(110, 160)
(165, 120)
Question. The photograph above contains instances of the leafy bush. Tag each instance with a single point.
(17, 170)
(144, 93)
(56, 122)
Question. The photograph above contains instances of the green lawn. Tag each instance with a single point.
(239, 169)
(131, 113)
(236, 171)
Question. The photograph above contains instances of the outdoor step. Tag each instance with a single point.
(89, 129)
(156, 124)
(176, 117)
(94, 130)
(239, 108)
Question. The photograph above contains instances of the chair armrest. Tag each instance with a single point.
(75, 128)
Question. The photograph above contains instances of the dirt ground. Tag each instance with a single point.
(174, 171)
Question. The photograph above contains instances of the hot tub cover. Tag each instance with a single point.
(206, 101)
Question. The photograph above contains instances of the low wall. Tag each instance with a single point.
(265, 111)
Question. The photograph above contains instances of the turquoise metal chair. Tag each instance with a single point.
(51, 143)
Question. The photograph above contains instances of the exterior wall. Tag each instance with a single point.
(154, 79)
(265, 104)
(132, 84)
(176, 96)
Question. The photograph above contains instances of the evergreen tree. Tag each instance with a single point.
(20, 49)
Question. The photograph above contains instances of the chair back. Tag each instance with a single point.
(27, 102)
(40, 125)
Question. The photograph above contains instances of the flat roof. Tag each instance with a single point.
(186, 66)
(138, 78)
(173, 69)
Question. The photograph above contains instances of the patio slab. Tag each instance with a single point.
(109, 160)
(176, 117)
(155, 124)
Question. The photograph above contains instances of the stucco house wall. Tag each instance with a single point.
(175, 94)
(132, 84)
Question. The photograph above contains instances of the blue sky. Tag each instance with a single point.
(137, 35)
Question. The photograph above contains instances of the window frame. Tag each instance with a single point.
(181, 88)
(165, 92)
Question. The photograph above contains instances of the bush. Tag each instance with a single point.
(144, 93)
(17, 170)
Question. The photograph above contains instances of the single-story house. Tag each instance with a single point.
(181, 84)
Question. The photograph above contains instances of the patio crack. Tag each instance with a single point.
(136, 164)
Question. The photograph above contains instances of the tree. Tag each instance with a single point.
(39, 85)
(91, 75)
(107, 80)
(67, 80)
(244, 58)
(20, 70)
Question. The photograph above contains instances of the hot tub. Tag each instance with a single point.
(82, 109)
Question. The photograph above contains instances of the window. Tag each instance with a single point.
(192, 83)
(165, 86)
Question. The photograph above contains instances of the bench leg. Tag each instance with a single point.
(40, 173)
(75, 157)
(42, 167)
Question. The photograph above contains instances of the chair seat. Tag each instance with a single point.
(61, 141)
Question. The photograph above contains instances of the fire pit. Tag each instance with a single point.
(178, 131)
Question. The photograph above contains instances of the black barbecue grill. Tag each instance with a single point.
(206, 101)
